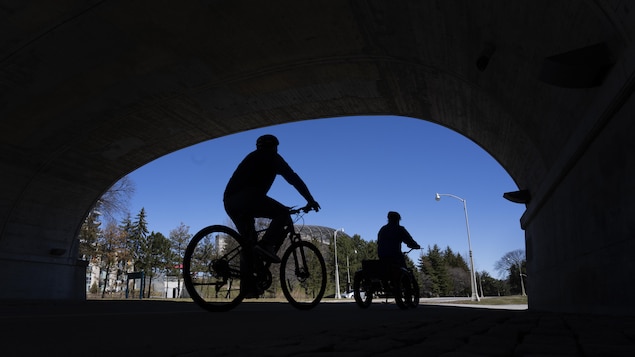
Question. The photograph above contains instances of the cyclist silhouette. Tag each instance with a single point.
(245, 196)
(389, 241)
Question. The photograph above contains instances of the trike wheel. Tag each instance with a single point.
(402, 290)
(212, 268)
(362, 291)
(303, 275)
(413, 300)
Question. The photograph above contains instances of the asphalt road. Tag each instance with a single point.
(167, 328)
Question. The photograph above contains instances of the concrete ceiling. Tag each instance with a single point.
(92, 90)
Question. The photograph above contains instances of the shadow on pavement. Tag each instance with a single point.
(168, 328)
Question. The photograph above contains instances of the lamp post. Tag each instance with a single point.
(520, 274)
(348, 276)
(337, 272)
(469, 243)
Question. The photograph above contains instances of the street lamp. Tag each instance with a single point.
(337, 272)
(469, 243)
(348, 274)
(520, 274)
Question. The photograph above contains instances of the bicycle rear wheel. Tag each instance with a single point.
(212, 268)
(303, 275)
(362, 290)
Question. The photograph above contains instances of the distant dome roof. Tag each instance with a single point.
(319, 233)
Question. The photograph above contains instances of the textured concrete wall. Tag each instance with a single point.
(580, 245)
(25, 279)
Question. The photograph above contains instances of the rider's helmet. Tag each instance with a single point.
(267, 141)
(394, 216)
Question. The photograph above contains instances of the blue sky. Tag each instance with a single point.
(358, 169)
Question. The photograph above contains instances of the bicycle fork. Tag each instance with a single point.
(299, 259)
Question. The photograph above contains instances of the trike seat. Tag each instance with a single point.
(375, 268)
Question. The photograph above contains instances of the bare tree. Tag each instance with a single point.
(112, 250)
(115, 200)
(512, 263)
(511, 259)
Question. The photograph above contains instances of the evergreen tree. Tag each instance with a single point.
(158, 256)
(458, 273)
(179, 238)
(461, 263)
(138, 240)
(491, 286)
(443, 273)
(449, 257)
(126, 228)
(438, 267)
(430, 276)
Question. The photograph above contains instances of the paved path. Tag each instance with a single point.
(166, 328)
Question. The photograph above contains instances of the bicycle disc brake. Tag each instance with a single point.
(302, 274)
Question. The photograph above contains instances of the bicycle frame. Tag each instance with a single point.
(292, 236)
(290, 233)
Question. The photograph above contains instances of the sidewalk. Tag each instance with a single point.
(166, 328)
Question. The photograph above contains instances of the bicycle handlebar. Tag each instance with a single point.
(305, 209)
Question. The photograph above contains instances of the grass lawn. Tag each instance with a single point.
(495, 300)
(488, 300)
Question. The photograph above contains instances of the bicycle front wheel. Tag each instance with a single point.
(212, 268)
(303, 275)
(413, 301)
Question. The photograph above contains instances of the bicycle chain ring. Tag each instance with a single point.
(264, 278)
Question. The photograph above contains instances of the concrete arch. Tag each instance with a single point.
(92, 91)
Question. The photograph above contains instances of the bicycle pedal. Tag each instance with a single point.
(254, 294)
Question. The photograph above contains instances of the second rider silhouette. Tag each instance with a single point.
(389, 239)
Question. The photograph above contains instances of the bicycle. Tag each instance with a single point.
(217, 259)
(377, 278)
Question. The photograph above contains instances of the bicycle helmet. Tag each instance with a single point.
(267, 141)
(394, 216)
